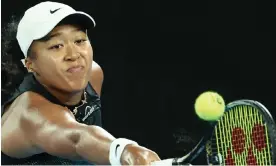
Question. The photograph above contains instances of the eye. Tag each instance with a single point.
(56, 46)
(80, 41)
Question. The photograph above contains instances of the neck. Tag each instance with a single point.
(66, 98)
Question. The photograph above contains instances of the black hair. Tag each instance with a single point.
(12, 69)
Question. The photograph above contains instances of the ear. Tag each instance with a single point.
(29, 64)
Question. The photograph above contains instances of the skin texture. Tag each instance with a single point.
(32, 124)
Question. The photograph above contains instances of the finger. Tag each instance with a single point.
(142, 160)
(155, 156)
(154, 159)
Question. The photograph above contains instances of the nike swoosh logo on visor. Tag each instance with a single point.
(53, 11)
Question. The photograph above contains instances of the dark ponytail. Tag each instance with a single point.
(12, 69)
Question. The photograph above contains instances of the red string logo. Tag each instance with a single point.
(257, 144)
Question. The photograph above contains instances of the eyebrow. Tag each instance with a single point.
(50, 36)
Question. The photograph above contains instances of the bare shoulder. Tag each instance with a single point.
(14, 142)
(32, 107)
(28, 101)
(21, 104)
(97, 77)
(27, 115)
(39, 110)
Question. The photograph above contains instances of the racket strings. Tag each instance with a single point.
(241, 138)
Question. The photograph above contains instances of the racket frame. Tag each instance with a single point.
(271, 127)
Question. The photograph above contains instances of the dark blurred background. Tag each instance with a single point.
(158, 56)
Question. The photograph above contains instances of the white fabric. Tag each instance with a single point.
(116, 149)
(167, 162)
(38, 21)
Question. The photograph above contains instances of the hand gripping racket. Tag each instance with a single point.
(244, 135)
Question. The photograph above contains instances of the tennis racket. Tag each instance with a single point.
(244, 135)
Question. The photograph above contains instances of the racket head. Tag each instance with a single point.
(244, 135)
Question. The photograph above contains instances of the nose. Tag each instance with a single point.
(72, 53)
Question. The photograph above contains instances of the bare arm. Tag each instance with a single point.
(54, 130)
(45, 127)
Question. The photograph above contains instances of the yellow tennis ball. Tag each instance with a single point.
(209, 106)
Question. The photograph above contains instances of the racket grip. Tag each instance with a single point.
(167, 162)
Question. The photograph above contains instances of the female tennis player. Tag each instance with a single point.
(54, 116)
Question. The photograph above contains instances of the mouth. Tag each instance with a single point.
(75, 69)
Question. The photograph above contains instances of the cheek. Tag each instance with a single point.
(89, 52)
(88, 55)
(49, 65)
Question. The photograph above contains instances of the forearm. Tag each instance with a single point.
(78, 142)
(90, 143)
(94, 144)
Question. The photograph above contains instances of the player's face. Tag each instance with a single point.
(63, 58)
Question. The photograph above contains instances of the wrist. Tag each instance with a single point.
(117, 148)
